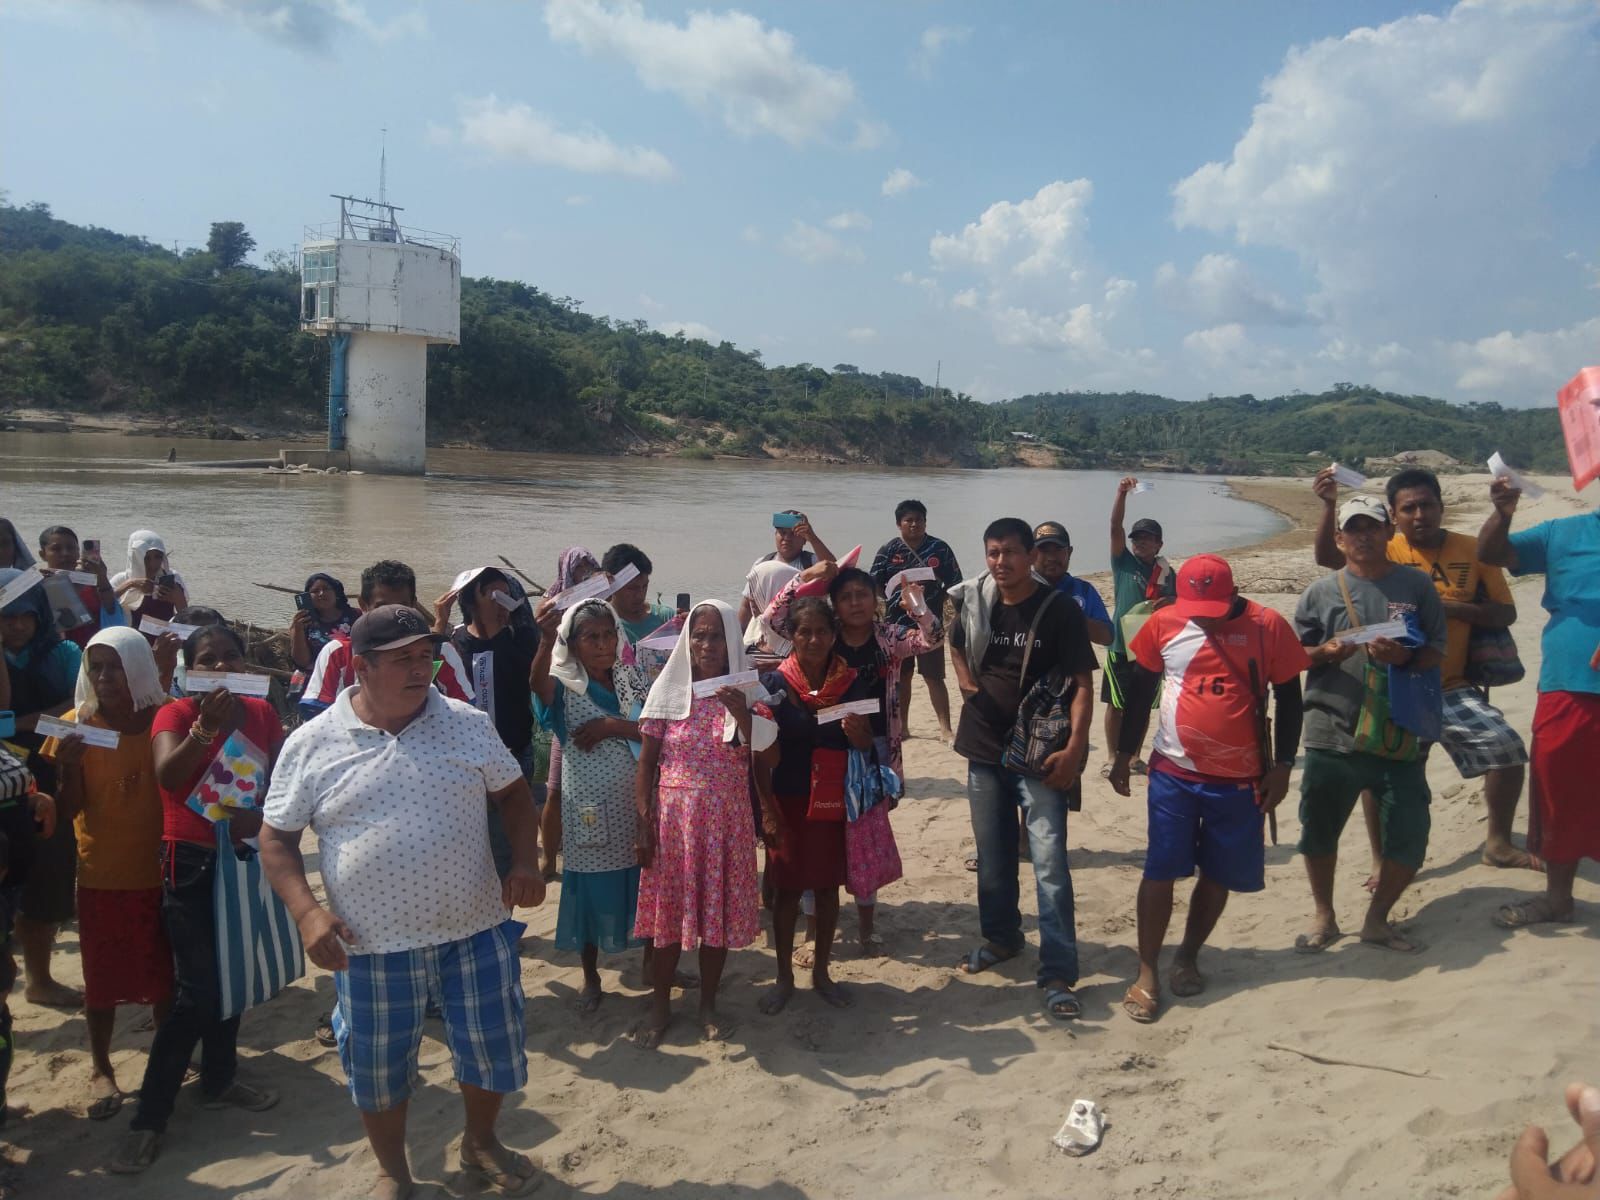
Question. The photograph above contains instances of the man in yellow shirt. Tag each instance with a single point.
(1476, 734)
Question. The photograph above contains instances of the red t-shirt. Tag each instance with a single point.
(1208, 714)
(258, 721)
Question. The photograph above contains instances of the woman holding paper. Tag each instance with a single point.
(110, 792)
(875, 648)
(213, 757)
(330, 616)
(704, 736)
(42, 668)
(574, 565)
(592, 702)
(140, 589)
(809, 784)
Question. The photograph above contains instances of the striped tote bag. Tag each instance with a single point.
(258, 946)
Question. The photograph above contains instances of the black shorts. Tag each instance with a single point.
(1115, 680)
(50, 892)
(16, 854)
(930, 665)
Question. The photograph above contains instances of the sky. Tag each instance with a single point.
(1188, 199)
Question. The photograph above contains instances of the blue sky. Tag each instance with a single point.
(1181, 198)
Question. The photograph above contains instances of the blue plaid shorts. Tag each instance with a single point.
(477, 981)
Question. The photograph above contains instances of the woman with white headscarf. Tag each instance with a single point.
(697, 838)
(592, 702)
(140, 589)
(112, 795)
(761, 588)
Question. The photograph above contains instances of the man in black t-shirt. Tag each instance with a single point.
(997, 611)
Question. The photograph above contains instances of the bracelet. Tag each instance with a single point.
(205, 739)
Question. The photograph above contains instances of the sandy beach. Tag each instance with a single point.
(938, 1084)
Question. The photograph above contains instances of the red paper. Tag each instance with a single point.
(1579, 402)
(819, 587)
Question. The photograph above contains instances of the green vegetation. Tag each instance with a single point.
(96, 320)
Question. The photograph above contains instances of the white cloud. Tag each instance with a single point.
(1408, 166)
(513, 131)
(649, 303)
(577, 200)
(869, 135)
(752, 76)
(304, 24)
(849, 220)
(813, 245)
(899, 181)
(1221, 289)
(931, 45)
(1218, 346)
(750, 234)
(912, 279)
(862, 334)
(1513, 364)
(1028, 237)
(966, 298)
(689, 329)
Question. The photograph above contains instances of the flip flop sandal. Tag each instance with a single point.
(488, 1173)
(105, 1107)
(1144, 1010)
(1061, 1004)
(1081, 1132)
(805, 957)
(1315, 943)
(1186, 981)
(242, 1095)
(1526, 913)
(970, 862)
(138, 1150)
(983, 957)
(324, 1034)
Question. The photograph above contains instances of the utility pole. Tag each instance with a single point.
(937, 369)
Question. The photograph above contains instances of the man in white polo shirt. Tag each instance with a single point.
(393, 780)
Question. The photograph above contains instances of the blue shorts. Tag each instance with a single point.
(1214, 825)
(477, 981)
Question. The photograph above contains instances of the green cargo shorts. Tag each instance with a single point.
(1330, 786)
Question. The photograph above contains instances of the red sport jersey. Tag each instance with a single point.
(1208, 721)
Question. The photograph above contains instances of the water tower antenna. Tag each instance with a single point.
(383, 167)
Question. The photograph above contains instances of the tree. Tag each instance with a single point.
(229, 244)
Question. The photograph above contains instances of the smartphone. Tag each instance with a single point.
(302, 601)
(683, 602)
(91, 549)
(167, 580)
(785, 520)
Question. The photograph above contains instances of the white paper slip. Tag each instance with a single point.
(1143, 486)
(592, 588)
(710, 687)
(910, 575)
(156, 627)
(1499, 467)
(20, 586)
(81, 578)
(507, 601)
(1345, 477)
(660, 641)
(1393, 630)
(92, 734)
(240, 683)
(623, 578)
(839, 712)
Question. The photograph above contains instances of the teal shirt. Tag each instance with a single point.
(657, 616)
(1130, 579)
(1566, 552)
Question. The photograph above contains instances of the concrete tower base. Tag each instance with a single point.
(386, 429)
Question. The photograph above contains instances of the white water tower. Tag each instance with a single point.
(381, 294)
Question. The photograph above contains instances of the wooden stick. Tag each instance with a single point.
(534, 589)
(273, 587)
(1328, 1060)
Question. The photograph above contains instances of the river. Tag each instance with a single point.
(702, 523)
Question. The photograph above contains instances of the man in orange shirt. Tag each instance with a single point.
(1476, 734)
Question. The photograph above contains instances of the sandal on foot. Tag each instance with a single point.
(804, 956)
(985, 956)
(1141, 1005)
(324, 1034)
(1315, 943)
(873, 947)
(970, 862)
(1537, 911)
(105, 1107)
(1185, 980)
(1394, 940)
(138, 1150)
(1061, 1004)
(242, 1095)
(518, 1177)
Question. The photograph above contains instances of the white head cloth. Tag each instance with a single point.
(762, 585)
(672, 695)
(140, 543)
(565, 666)
(138, 664)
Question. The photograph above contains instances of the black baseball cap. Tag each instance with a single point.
(1146, 525)
(389, 627)
(1053, 532)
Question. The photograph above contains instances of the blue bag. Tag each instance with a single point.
(1416, 698)
(868, 783)
(258, 945)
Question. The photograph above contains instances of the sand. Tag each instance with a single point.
(936, 1084)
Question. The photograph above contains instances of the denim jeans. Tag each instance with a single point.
(997, 797)
(186, 909)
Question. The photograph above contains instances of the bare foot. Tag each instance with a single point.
(714, 1027)
(1511, 857)
(51, 994)
(773, 1002)
(386, 1187)
(589, 999)
(833, 993)
(1371, 883)
(1387, 937)
(1318, 938)
(647, 1035)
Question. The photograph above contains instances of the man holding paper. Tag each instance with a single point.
(916, 555)
(1352, 739)
(1564, 825)
(1474, 733)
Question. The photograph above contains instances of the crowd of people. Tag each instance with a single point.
(685, 766)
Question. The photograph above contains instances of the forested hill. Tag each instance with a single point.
(99, 321)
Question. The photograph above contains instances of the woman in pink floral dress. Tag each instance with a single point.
(697, 840)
